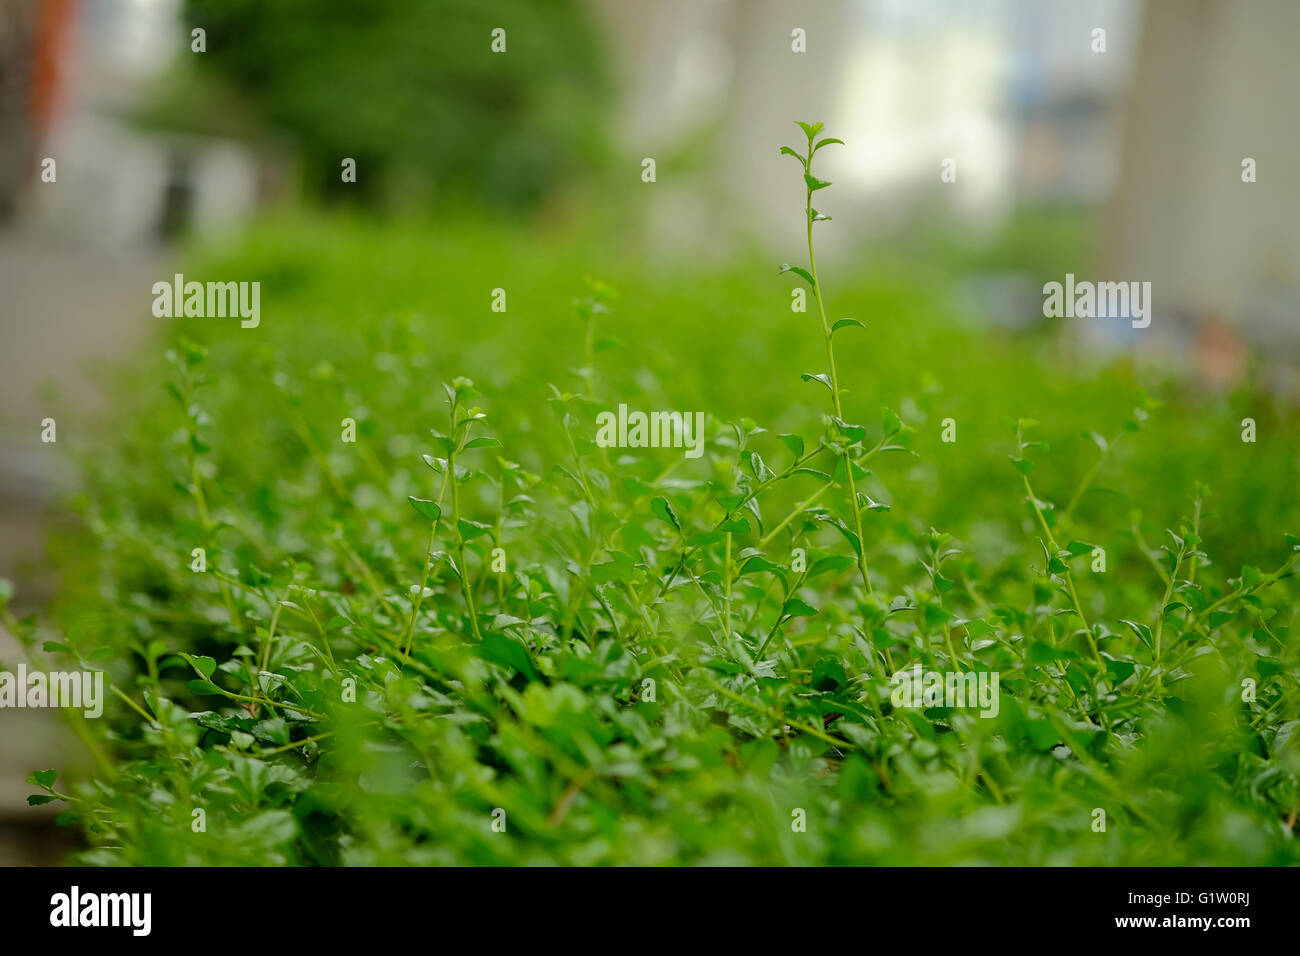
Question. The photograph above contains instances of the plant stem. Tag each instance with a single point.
(798, 510)
(1069, 579)
(778, 716)
(835, 381)
(781, 619)
(1160, 611)
(753, 493)
(1084, 484)
(726, 599)
(270, 637)
(201, 504)
(460, 540)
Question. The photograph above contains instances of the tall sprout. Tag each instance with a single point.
(831, 380)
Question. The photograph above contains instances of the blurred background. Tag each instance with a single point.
(1116, 156)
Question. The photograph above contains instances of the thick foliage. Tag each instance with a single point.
(682, 655)
(383, 81)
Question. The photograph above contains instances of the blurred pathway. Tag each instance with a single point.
(65, 312)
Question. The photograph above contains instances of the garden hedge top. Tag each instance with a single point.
(457, 627)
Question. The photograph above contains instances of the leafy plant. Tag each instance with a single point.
(849, 435)
(591, 655)
(380, 81)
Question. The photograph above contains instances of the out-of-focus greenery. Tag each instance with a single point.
(313, 549)
(411, 91)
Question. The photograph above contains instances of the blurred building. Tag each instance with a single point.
(1011, 90)
(1214, 88)
(74, 76)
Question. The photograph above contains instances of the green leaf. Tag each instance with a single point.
(1042, 735)
(789, 151)
(794, 443)
(1219, 618)
(704, 538)
(39, 799)
(814, 183)
(664, 510)
(194, 354)
(797, 608)
(810, 129)
(1022, 465)
(503, 621)
(893, 424)
(577, 482)
(44, 778)
(828, 141)
(737, 524)
(484, 442)
(620, 567)
(832, 562)
(203, 687)
(426, 507)
(204, 665)
(827, 674)
(469, 530)
(1041, 652)
(867, 503)
(854, 433)
(508, 653)
(844, 323)
(799, 271)
(728, 500)
(755, 562)
(1141, 630)
(844, 529)
(817, 377)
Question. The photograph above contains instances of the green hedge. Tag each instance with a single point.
(607, 692)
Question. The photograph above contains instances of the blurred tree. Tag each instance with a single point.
(414, 92)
